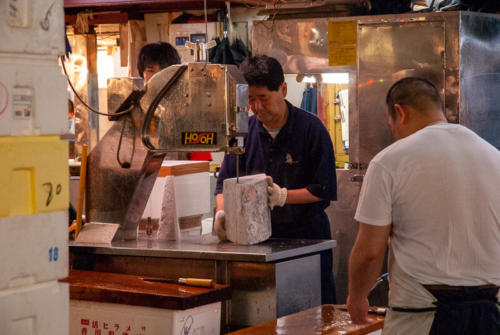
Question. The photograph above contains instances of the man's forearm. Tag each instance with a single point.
(365, 264)
(300, 196)
(363, 272)
(219, 202)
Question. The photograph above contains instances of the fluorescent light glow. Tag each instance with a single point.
(309, 79)
(104, 67)
(335, 78)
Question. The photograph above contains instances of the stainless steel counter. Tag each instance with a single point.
(268, 280)
(209, 247)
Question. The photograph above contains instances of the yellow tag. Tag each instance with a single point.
(342, 43)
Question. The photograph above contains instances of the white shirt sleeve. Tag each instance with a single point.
(375, 199)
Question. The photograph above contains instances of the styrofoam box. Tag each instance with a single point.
(32, 26)
(88, 317)
(33, 96)
(33, 175)
(40, 309)
(192, 195)
(33, 249)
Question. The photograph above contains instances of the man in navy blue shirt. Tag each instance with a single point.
(292, 147)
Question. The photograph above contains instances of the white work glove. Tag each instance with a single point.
(220, 225)
(277, 195)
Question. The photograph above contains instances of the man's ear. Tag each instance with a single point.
(283, 89)
(403, 113)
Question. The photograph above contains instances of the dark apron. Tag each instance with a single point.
(464, 310)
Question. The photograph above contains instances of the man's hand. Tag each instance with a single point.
(220, 225)
(277, 195)
(358, 310)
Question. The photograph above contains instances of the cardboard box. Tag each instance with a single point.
(33, 96)
(33, 249)
(41, 309)
(89, 317)
(32, 26)
(33, 175)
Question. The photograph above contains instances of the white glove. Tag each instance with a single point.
(277, 195)
(220, 225)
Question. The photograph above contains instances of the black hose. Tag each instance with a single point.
(154, 105)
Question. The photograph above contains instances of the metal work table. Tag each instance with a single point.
(209, 247)
(268, 280)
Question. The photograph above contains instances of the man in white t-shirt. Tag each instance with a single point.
(434, 197)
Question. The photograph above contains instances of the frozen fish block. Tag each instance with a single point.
(248, 219)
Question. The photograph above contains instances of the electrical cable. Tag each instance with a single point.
(154, 104)
(84, 103)
(206, 30)
(126, 165)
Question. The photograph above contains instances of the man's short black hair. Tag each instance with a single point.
(261, 70)
(415, 92)
(160, 53)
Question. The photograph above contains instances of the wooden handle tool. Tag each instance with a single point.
(200, 282)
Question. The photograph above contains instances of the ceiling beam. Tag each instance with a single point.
(139, 5)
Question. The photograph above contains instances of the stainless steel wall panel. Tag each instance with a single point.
(344, 227)
(388, 52)
(480, 75)
(301, 46)
(452, 67)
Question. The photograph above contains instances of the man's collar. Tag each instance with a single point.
(288, 126)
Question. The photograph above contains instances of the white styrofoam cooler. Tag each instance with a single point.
(33, 96)
(33, 249)
(32, 26)
(40, 309)
(192, 195)
(88, 317)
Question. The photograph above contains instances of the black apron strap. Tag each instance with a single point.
(465, 310)
(413, 310)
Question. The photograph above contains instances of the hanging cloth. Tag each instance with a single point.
(310, 100)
